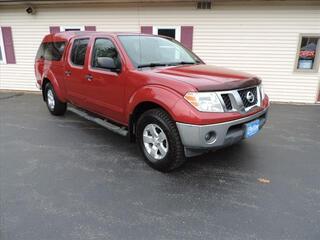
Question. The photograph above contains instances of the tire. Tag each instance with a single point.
(159, 140)
(55, 106)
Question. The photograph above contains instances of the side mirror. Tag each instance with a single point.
(107, 63)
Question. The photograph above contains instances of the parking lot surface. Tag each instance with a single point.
(67, 178)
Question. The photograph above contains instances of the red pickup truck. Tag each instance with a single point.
(151, 89)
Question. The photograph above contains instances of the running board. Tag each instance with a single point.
(112, 127)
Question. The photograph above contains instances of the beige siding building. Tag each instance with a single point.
(276, 40)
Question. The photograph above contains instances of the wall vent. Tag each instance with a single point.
(204, 4)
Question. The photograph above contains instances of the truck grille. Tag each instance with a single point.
(249, 96)
(227, 101)
(240, 100)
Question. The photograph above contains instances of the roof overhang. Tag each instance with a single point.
(52, 2)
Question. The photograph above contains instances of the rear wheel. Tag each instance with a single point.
(159, 140)
(55, 106)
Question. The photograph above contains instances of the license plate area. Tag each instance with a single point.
(252, 128)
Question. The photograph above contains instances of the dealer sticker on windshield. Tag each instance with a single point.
(252, 128)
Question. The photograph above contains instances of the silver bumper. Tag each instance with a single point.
(222, 134)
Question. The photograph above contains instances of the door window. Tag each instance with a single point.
(104, 48)
(78, 52)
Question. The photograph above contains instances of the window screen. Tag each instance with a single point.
(72, 29)
(167, 32)
(78, 53)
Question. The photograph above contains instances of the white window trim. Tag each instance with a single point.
(155, 30)
(63, 28)
(3, 61)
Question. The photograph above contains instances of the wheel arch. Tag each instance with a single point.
(137, 112)
(50, 78)
(45, 81)
(148, 97)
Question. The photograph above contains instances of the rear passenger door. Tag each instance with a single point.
(75, 70)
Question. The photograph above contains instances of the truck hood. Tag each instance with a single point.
(208, 78)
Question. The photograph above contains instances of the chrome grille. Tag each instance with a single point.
(227, 101)
(245, 99)
(238, 100)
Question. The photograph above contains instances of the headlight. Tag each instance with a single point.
(204, 101)
(262, 92)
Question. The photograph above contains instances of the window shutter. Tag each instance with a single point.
(187, 36)
(146, 29)
(8, 45)
(54, 29)
(90, 28)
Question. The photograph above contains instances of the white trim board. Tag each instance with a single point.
(3, 52)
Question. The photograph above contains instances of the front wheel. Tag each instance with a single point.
(55, 106)
(159, 140)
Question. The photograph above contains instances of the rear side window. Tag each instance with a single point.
(78, 52)
(51, 51)
(40, 53)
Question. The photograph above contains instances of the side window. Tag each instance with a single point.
(40, 53)
(51, 51)
(57, 50)
(104, 48)
(78, 52)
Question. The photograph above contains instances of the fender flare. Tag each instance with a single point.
(56, 86)
(160, 95)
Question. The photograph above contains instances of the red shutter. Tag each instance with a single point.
(54, 29)
(8, 45)
(90, 28)
(187, 36)
(146, 29)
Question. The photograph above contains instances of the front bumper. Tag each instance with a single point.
(222, 134)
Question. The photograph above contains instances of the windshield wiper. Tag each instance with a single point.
(166, 64)
(181, 63)
(152, 65)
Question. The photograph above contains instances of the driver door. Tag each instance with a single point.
(105, 89)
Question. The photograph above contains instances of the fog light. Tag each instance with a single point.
(210, 137)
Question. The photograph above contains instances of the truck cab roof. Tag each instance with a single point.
(68, 35)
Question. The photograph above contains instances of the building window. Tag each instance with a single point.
(2, 53)
(173, 32)
(71, 28)
(308, 53)
(204, 4)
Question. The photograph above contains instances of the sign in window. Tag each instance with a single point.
(308, 53)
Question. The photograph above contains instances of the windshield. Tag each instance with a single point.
(152, 51)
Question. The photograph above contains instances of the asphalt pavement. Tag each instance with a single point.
(65, 178)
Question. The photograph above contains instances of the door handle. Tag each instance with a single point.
(89, 77)
(67, 73)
